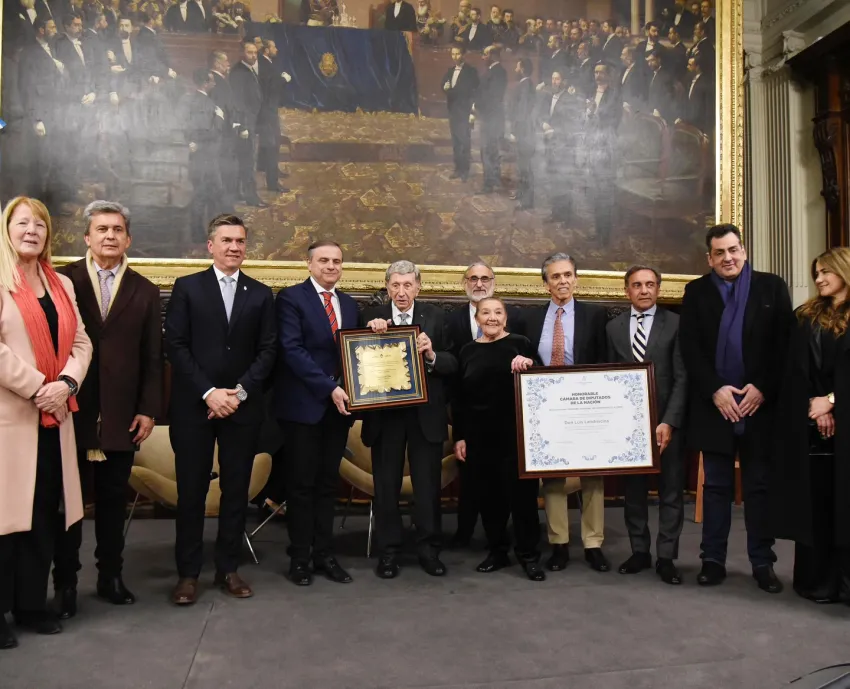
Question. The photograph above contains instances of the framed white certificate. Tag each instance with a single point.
(586, 420)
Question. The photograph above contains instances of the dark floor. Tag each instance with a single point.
(579, 629)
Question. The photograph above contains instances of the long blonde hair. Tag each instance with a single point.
(820, 310)
(10, 278)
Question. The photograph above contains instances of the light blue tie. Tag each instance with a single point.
(480, 332)
(227, 294)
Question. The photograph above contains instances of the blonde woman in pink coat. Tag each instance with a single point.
(44, 356)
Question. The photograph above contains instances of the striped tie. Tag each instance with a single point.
(639, 341)
(329, 310)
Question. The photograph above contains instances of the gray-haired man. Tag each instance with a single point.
(419, 430)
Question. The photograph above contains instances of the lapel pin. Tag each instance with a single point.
(245, 287)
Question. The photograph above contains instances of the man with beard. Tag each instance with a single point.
(509, 37)
(460, 84)
(556, 61)
(698, 108)
(245, 82)
(677, 56)
(185, 17)
(661, 94)
(478, 35)
(633, 84)
(522, 131)
(460, 22)
(490, 106)
(400, 16)
(612, 45)
(582, 76)
(531, 41)
(647, 45)
(272, 82)
(702, 46)
(707, 20)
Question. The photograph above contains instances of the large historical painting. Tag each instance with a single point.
(442, 134)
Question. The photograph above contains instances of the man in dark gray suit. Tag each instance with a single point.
(647, 332)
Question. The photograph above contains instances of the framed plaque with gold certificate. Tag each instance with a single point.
(382, 370)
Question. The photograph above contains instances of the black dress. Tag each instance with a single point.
(484, 416)
(25, 557)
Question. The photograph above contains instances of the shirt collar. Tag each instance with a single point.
(252, 68)
(649, 312)
(409, 312)
(321, 289)
(493, 65)
(524, 79)
(114, 270)
(219, 275)
(569, 307)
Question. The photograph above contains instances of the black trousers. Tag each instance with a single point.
(246, 154)
(492, 133)
(110, 510)
(461, 141)
(25, 557)
(671, 503)
(193, 446)
(314, 452)
(400, 431)
(468, 508)
(502, 494)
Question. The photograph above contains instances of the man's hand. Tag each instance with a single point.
(655, 113)
(460, 450)
(818, 406)
(52, 396)
(116, 69)
(60, 66)
(339, 398)
(143, 425)
(287, 77)
(753, 399)
(244, 134)
(222, 403)
(627, 108)
(826, 425)
(662, 435)
(110, 56)
(172, 73)
(193, 147)
(378, 325)
(88, 99)
(39, 129)
(541, 86)
(472, 119)
(423, 346)
(113, 98)
(154, 79)
(219, 112)
(62, 413)
(512, 138)
(521, 363)
(724, 400)
(447, 86)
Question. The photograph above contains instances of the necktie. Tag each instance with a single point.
(106, 277)
(480, 332)
(329, 310)
(227, 294)
(639, 341)
(403, 318)
(558, 354)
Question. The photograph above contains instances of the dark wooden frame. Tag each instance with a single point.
(409, 333)
(648, 366)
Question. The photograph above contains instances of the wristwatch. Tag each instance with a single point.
(241, 393)
(831, 398)
(70, 383)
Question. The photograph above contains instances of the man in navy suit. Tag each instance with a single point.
(220, 339)
(310, 404)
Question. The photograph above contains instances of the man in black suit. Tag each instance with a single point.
(702, 46)
(245, 82)
(490, 107)
(478, 35)
(582, 76)
(272, 83)
(185, 17)
(420, 430)
(153, 50)
(661, 101)
(204, 127)
(556, 61)
(222, 95)
(677, 55)
(522, 131)
(647, 332)
(633, 82)
(119, 401)
(734, 330)
(566, 332)
(400, 16)
(648, 45)
(707, 20)
(698, 107)
(221, 341)
(460, 84)
(612, 44)
(680, 18)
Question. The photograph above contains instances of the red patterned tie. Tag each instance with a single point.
(558, 353)
(329, 310)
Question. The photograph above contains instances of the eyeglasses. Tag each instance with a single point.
(485, 280)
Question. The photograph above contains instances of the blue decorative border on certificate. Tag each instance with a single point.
(537, 448)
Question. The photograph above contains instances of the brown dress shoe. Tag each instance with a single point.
(186, 591)
(233, 585)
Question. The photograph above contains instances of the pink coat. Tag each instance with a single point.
(20, 380)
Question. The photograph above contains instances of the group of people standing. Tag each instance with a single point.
(737, 376)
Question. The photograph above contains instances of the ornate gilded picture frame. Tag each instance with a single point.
(376, 174)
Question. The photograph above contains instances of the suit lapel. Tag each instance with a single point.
(314, 303)
(86, 298)
(243, 290)
(126, 289)
(217, 301)
(660, 320)
(621, 334)
(752, 307)
(580, 334)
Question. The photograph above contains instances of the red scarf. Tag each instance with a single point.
(47, 361)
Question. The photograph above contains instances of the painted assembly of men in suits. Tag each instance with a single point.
(186, 17)
(490, 108)
(698, 106)
(478, 35)
(556, 61)
(222, 95)
(461, 85)
(272, 82)
(400, 16)
(523, 102)
(648, 332)
(661, 95)
(245, 83)
(633, 82)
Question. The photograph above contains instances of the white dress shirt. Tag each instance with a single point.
(472, 31)
(473, 309)
(396, 9)
(555, 97)
(201, 7)
(78, 46)
(626, 73)
(334, 299)
(693, 83)
(397, 313)
(46, 47)
(599, 94)
(456, 75)
(218, 276)
(647, 322)
(184, 10)
(32, 14)
(568, 321)
(127, 47)
(253, 68)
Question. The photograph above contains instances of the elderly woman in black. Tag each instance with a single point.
(812, 492)
(485, 437)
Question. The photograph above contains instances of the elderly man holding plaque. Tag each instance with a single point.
(420, 431)
(566, 332)
(646, 332)
(311, 406)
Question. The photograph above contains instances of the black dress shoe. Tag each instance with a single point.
(332, 570)
(711, 574)
(596, 559)
(7, 636)
(113, 590)
(636, 563)
(668, 572)
(65, 603)
(559, 559)
(300, 574)
(45, 622)
(767, 579)
(534, 571)
(387, 567)
(431, 565)
(494, 562)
